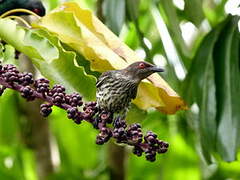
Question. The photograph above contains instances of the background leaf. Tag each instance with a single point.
(114, 14)
(214, 77)
(228, 89)
(202, 85)
(196, 16)
(50, 58)
(174, 28)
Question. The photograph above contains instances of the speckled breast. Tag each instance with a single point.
(116, 95)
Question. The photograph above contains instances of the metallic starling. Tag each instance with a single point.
(116, 89)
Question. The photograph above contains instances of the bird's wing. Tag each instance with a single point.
(103, 78)
(133, 92)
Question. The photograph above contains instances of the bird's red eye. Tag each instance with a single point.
(141, 65)
(37, 11)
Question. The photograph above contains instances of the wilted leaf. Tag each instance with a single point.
(50, 58)
(82, 31)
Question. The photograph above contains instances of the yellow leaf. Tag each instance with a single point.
(82, 31)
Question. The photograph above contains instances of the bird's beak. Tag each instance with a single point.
(156, 69)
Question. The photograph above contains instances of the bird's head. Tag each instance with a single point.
(141, 70)
(36, 6)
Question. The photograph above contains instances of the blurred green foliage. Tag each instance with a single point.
(200, 138)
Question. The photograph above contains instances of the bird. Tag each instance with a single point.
(32, 5)
(117, 88)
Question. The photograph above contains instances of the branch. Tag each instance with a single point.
(31, 89)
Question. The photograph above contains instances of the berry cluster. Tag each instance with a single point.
(42, 85)
(45, 109)
(108, 125)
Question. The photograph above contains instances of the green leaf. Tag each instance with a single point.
(9, 55)
(195, 15)
(132, 9)
(9, 118)
(135, 114)
(202, 81)
(1, 51)
(114, 14)
(13, 155)
(53, 4)
(226, 59)
(200, 88)
(174, 28)
(214, 84)
(77, 148)
(215, 12)
(29, 164)
(47, 54)
(207, 99)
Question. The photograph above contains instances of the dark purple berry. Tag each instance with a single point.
(165, 144)
(150, 157)
(42, 85)
(137, 150)
(72, 113)
(99, 140)
(88, 113)
(27, 92)
(25, 78)
(162, 150)
(45, 109)
(17, 53)
(74, 99)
